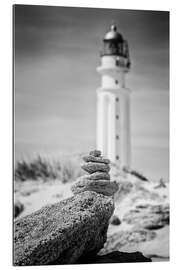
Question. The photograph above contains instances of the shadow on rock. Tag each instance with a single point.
(123, 238)
(115, 257)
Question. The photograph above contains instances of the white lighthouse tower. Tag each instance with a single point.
(113, 105)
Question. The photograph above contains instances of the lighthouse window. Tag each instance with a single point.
(117, 99)
(117, 116)
(117, 137)
(117, 157)
(116, 81)
(117, 62)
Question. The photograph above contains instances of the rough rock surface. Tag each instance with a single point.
(96, 176)
(115, 257)
(95, 153)
(96, 159)
(64, 231)
(92, 167)
(98, 179)
(100, 186)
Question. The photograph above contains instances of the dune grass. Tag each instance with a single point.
(65, 170)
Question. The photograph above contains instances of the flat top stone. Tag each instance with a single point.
(95, 153)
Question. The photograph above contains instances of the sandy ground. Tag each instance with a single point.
(36, 194)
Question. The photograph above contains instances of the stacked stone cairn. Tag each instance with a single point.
(73, 230)
(98, 178)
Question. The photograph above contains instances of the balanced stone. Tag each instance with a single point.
(104, 187)
(98, 179)
(97, 176)
(92, 167)
(95, 153)
(96, 159)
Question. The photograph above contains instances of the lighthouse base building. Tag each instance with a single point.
(113, 100)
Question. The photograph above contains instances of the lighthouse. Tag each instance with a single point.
(113, 100)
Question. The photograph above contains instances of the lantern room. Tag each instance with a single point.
(115, 45)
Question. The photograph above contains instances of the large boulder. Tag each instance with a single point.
(63, 232)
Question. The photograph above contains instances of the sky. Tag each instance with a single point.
(56, 52)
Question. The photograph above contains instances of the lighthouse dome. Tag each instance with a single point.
(113, 34)
(115, 45)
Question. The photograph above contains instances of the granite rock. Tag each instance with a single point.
(104, 187)
(95, 153)
(96, 176)
(92, 167)
(96, 159)
(63, 232)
